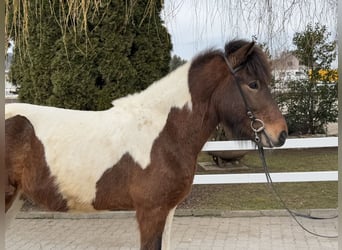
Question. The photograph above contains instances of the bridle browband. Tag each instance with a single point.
(261, 129)
(257, 125)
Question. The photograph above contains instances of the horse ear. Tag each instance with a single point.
(240, 56)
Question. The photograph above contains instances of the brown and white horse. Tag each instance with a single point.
(141, 153)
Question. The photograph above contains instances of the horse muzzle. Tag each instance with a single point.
(269, 140)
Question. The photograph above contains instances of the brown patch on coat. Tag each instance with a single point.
(26, 166)
(166, 180)
(154, 191)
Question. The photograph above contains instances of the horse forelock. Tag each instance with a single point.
(257, 62)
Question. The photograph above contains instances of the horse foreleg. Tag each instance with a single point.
(13, 203)
(167, 230)
(151, 225)
(10, 195)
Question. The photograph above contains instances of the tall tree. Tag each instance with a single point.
(117, 52)
(175, 62)
(312, 102)
(30, 70)
(313, 47)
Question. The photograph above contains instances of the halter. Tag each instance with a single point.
(257, 125)
(261, 128)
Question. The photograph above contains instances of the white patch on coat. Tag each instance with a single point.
(13, 210)
(81, 145)
(166, 238)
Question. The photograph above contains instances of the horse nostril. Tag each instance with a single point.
(282, 138)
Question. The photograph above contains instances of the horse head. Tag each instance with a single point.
(253, 113)
(237, 83)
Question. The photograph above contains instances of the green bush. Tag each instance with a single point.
(120, 52)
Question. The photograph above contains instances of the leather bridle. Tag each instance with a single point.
(257, 125)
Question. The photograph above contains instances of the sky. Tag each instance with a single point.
(196, 25)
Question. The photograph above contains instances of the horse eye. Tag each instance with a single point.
(253, 85)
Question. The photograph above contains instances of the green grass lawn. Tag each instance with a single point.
(305, 195)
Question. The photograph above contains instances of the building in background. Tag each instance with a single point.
(287, 68)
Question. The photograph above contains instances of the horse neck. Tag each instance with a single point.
(204, 122)
(189, 129)
(203, 86)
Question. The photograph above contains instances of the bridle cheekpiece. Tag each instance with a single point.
(257, 125)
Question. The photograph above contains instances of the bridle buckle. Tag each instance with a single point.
(257, 129)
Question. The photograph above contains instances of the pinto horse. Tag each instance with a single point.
(141, 153)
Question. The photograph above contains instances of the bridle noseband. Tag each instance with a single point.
(257, 125)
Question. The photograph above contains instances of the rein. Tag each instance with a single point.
(257, 126)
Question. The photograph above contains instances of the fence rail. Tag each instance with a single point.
(314, 176)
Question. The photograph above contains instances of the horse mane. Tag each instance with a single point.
(204, 57)
(257, 62)
(156, 96)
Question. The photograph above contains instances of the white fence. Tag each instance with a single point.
(276, 177)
